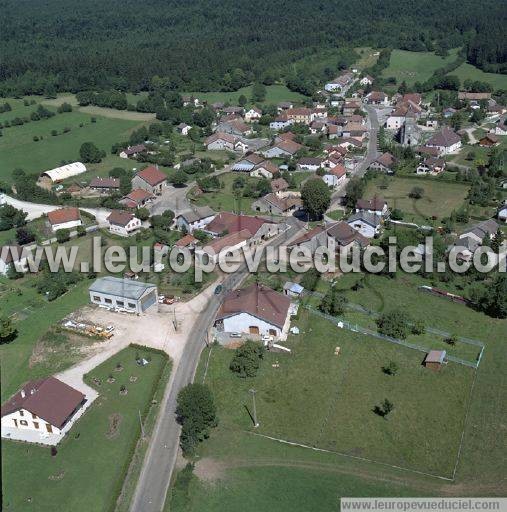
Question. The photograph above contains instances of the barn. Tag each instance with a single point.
(126, 294)
(435, 359)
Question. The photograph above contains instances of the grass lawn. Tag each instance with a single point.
(336, 214)
(311, 384)
(20, 151)
(94, 453)
(274, 94)
(467, 71)
(440, 198)
(414, 67)
(34, 317)
(367, 57)
(224, 199)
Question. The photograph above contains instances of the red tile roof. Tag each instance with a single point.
(105, 183)
(259, 301)
(185, 241)
(138, 195)
(279, 184)
(230, 240)
(63, 215)
(152, 175)
(50, 399)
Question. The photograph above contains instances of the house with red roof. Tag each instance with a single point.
(41, 411)
(255, 310)
(151, 179)
(336, 176)
(226, 222)
(64, 218)
(138, 198)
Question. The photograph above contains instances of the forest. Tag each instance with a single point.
(76, 45)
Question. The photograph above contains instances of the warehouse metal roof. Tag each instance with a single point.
(65, 171)
(120, 287)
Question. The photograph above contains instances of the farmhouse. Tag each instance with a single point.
(227, 222)
(105, 185)
(256, 310)
(282, 149)
(41, 411)
(13, 256)
(64, 218)
(279, 185)
(123, 223)
(197, 218)
(114, 292)
(384, 163)
(132, 151)
(151, 179)
(377, 98)
(227, 244)
(137, 198)
(446, 141)
(62, 173)
(435, 359)
(301, 115)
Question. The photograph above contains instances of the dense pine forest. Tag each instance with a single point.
(223, 44)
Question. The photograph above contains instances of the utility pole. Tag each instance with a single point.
(256, 423)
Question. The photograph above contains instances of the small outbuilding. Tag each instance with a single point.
(435, 359)
(292, 289)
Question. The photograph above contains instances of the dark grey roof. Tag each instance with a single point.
(368, 218)
(197, 214)
(118, 287)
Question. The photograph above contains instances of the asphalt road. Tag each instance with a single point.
(161, 456)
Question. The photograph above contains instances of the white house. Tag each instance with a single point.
(127, 294)
(42, 411)
(335, 177)
(123, 223)
(255, 310)
(502, 213)
(229, 244)
(281, 122)
(197, 218)
(265, 169)
(183, 128)
(13, 255)
(220, 141)
(64, 218)
(254, 114)
(132, 151)
(309, 163)
(366, 80)
(375, 205)
(368, 224)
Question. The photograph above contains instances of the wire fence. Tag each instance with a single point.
(344, 324)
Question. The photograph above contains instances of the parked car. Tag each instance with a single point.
(235, 335)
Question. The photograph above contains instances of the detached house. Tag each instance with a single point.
(368, 224)
(335, 176)
(64, 218)
(431, 165)
(220, 141)
(183, 128)
(255, 310)
(132, 151)
(41, 411)
(281, 123)
(227, 222)
(472, 239)
(254, 114)
(138, 198)
(282, 149)
(151, 179)
(376, 205)
(265, 169)
(123, 223)
(377, 98)
(384, 163)
(301, 115)
(309, 163)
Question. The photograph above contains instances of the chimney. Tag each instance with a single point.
(23, 394)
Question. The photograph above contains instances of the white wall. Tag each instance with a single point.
(127, 230)
(242, 321)
(24, 416)
(66, 225)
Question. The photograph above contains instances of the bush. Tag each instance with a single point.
(395, 324)
(62, 235)
(416, 193)
(247, 359)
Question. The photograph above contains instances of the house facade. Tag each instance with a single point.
(151, 179)
(64, 218)
(197, 218)
(123, 223)
(13, 256)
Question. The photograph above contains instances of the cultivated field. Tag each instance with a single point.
(439, 199)
(88, 471)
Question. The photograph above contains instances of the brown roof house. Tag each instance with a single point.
(151, 179)
(446, 141)
(384, 163)
(123, 223)
(105, 185)
(137, 198)
(42, 411)
(226, 222)
(256, 310)
(229, 244)
(64, 218)
(285, 204)
(376, 205)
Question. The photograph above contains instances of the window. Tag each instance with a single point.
(34, 416)
(120, 303)
(96, 298)
(108, 301)
(131, 305)
(21, 413)
(36, 425)
(23, 422)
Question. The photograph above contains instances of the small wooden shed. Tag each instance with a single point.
(435, 359)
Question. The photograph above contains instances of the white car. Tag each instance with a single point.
(235, 335)
(266, 339)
